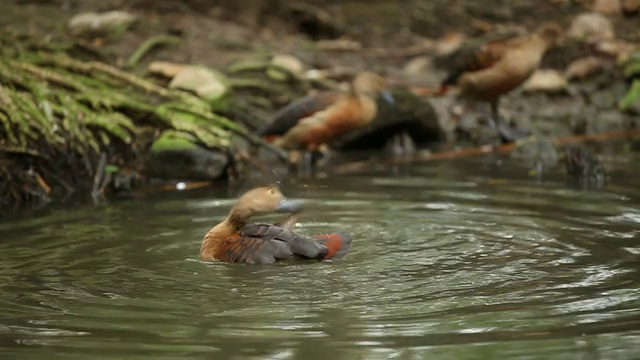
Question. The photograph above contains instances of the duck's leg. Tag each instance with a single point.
(300, 162)
(306, 161)
(305, 167)
(507, 134)
(401, 144)
(497, 123)
(321, 156)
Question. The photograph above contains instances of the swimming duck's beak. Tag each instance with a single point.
(386, 95)
(289, 206)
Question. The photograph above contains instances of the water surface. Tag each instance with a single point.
(452, 259)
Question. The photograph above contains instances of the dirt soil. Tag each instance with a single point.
(218, 33)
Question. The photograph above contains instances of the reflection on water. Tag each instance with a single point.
(450, 260)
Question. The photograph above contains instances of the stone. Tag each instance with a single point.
(591, 27)
(603, 98)
(448, 44)
(584, 169)
(537, 152)
(606, 121)
(175, 155)
(584, 67)
(166, 69)
(620, 49)
(291, 63)
(285, 67)
(607, 7)
(418, 65)
(630, 7)
(315, 74)
(109, 24)
(545, 80)
(208, 84)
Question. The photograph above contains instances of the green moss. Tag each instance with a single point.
(174, 140)
(60, 115)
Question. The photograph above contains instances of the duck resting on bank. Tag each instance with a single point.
(314, 120)
(235, 240)
(498, 67)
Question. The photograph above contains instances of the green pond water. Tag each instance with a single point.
(468, 259)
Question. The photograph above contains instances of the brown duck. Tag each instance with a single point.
(498, 67)
(235, 240)
(309, 122)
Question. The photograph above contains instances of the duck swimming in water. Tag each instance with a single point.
(235, 240)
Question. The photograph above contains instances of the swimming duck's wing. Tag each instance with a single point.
(295, 243)
(255, 250)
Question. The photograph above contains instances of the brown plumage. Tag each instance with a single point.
(234, 240)
(307, 123)
(500, 66)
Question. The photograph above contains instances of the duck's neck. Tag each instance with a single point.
(223, 231)
(237, 218)
(235, 221)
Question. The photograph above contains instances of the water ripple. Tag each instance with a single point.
(440, 264)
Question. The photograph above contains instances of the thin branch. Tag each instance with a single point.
(358, 166)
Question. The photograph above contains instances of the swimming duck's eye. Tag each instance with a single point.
(272, 192)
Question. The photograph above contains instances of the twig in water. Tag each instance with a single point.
(99, 176)
(368, 164)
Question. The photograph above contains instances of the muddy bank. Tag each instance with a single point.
(253, 60)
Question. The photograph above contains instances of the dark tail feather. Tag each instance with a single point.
(337, 244)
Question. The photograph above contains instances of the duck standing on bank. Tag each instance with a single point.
(312, 121)
(498, 67)
(235, 240)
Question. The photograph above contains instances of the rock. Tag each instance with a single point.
(444, 108)
(584, 169)
(602, 99)
(536, 152)
(418, 65)
(166, 69)
(291, 63)
(409, 114)
(605, 121)
(315, 21)
(315, 74)
(109, 24)
(283, 66)
(204, 82)
(630, 7)
(592, 27)
(174, 155)
(584, 67)
(339, 45)
(545, 80)
(448, 44)
(619, 49)
(608, 7)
